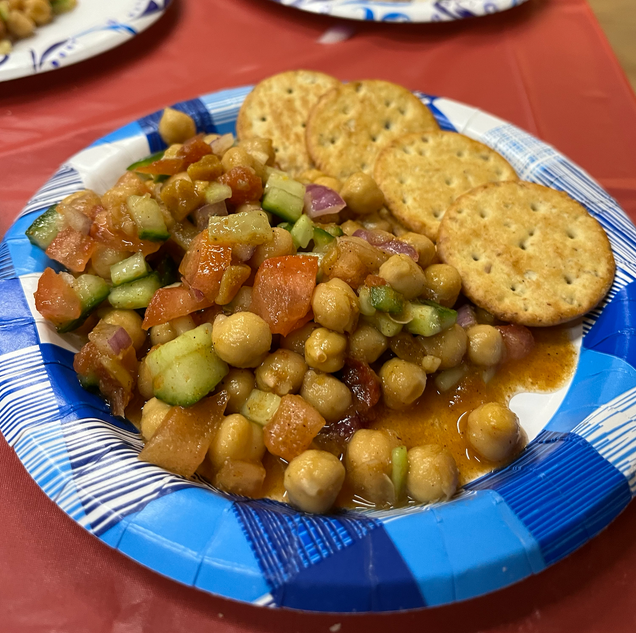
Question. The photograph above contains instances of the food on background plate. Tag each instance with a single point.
(20, 18)
(351, 124)
(286, 336)
(420, 175)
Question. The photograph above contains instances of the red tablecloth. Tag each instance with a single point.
(544, 66)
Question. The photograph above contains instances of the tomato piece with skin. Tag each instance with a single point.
(163, 167)
(193, 150)
(171, 303)
(55, 299)
(72, 249)
(204, 263)
(282, 291)
(107, 229)
(245, 184)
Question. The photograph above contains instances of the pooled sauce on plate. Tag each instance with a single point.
(440, 418)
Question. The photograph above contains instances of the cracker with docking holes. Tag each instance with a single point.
(352, 123)
(526, 253)
(421, 175)
(278, 109)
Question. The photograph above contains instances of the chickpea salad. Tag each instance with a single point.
(262, 322)
(20, 18)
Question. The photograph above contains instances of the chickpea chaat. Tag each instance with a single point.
(261, 318)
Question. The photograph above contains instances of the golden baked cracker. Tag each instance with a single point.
(352, 123)
(526, 253)
(422, 174)
(278, 109)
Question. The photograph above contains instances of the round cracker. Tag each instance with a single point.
(526, 253)
(352, 123)
(421, 175)
(278, 108)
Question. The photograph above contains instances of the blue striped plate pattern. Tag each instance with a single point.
(576, 474)
(94, 26)
(403, 11)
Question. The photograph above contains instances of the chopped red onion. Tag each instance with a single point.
(77, 220)
(466, 316)
(389, 245)
(321, 200)
(518, 340)
(119, 341)
(220, 145)
(202, 214)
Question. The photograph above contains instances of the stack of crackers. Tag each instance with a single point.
(526, 253)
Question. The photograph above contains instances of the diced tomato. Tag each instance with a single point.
(55, 299)
(72, 249)
(293, 428)
(518, 341)
(163, 167)
(374, 280)
(245, 184)
(128, 185)
(282, 291)
(194, 149)
(108, 229)
(363, 382)
(204, 264)
(171, 303)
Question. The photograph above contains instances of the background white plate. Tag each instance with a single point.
(93, 27)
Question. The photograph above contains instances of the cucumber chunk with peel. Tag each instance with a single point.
(129, 269)
(136, 294)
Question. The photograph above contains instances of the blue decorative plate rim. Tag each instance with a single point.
(403, 11)
(73, 37)
(576, 475)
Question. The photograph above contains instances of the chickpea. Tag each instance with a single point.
(239, 384)
(432, 474)
(237, 439)
(374, 222)
(350, 227)
(295, 341)
(367, 344)
(313, 480)
(362, 194)
(449, 346)
(335, 306)
(368, 463)
(485, 345)
(20, 25)
(38, 10)
(424, 247)
(443, 284)
(103, 258)
(242, 300)
(131, 322)
(329, 181)
(176, 126)
(280, 244)
(172, 152)
(261, 149)
(160, 334)
(144, 381)
(183, 324)
(493, 431)
(241, 339)
(325, 350)
(403, 275)
(330, 397)
(281, 372)
(152, 415)
(402, 383)
(238, 157)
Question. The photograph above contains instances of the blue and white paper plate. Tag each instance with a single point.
(93, 27)
(575, 476)
(403, 11)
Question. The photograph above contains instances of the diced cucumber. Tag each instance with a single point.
(217, 192)
(144, 162)
(333, 229)
(89, 382)
(302, 232)
(130, 269)
(45, 228)
(148, 217)
(430, 318)
(364, 300)
(91, 291)
(448, 378)
(385, 299)
(284, 197)
(260, 406)
(246, 227)
(186, 343)
(322, 238)
(399, 468)
(384, 324)
(136, 294)
(189, 378)
(288, 226)
(167, 271)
